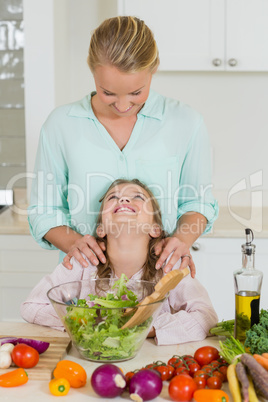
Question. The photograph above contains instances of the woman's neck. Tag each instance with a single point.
(127, 253)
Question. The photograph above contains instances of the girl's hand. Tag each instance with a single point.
(179, 249)
(89, 246)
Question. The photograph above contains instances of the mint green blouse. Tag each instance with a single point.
(77, 160)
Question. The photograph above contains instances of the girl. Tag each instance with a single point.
(130, 224)
(122, 129)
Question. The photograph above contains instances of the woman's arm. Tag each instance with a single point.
(190, 226)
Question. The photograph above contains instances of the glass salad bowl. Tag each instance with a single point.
(93, 312)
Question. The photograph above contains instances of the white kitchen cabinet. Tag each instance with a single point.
(216, 259)
(206, 35)
(22, 264)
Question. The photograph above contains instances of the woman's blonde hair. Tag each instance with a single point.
(149, 272)
(125, 43)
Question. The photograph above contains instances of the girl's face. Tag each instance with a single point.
(128, 204)
(122, 94)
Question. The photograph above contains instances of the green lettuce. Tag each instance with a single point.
(96, 329)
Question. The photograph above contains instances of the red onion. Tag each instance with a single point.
(145, 385)
(40, 346)
(12, 340)
(108, 381)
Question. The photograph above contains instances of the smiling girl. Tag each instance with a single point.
(130, 224)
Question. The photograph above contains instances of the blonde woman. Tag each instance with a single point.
(122, 129)
(130, 224)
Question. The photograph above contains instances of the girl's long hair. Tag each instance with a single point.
(149, 272)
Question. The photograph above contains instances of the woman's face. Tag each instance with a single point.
(128, 204)
(122, 94)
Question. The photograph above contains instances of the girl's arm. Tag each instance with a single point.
(187, 315)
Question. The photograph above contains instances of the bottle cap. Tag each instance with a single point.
(248, 248)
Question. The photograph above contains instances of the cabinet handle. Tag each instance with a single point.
(196, 246)
(232, 62)
(216, 62)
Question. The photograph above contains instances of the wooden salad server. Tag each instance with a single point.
(167, 283)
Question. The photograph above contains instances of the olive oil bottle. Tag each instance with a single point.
(247, 283)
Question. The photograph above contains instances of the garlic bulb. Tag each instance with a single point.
(7, 347)
(5, 359)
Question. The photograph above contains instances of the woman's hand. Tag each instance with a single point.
(179, 249)
(89, 246)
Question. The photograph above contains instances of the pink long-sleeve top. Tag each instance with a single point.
(186, 315)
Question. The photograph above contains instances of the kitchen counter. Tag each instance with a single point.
(38, 390)
(230, 223)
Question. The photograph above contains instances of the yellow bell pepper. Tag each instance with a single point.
(59, 386)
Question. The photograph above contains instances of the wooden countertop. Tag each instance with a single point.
(38, 390)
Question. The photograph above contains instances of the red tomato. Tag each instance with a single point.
(223, 370)
(165, 371)
(175, 362)
(25, 356)
(201, 373)
(206, 354)
(201, 382)
(128, 376)
(182, 388)
(217, 373)
(193, 368)
(181, 370)
(214, 382)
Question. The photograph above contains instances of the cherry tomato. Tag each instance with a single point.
(182, 388)
(181, 370)
(128, 376)
(214, 382)
(206, 355)
(215, 363)
(207, 369)
(223, 370)
(201, 382)
(175, 362)
(193, 368)
(25, 356)
(165, 371)
(218, 374)
(201, 373)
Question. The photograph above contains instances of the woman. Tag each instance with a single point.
(130, 223)
(123, 129)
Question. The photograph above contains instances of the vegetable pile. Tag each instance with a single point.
(21, 352)
(95, 325)
(205, 371)
(247, 375)
(67, 374)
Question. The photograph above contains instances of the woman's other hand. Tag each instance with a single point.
(89, 246)
(179, 249)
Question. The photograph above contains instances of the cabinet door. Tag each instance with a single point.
(189, 33)
(23, 263)
(247, 35)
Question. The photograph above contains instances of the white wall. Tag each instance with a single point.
(234, 105)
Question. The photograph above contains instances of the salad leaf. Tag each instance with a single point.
(95, 326)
